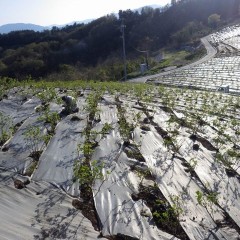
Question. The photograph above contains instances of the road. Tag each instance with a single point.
(211, 52)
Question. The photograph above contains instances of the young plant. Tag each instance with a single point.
(36, 141)
(92, 104)
(232, 159)
(166, 215)
(105, 130)
(48, 95)
(207, 200)
(125, 128)
(176, 205)
(137, 118)
(86, 149)
(6, 128)
(87, 174)
(87, 171)
(143, 174)
(51, 118)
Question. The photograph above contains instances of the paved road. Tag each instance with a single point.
(211, 52)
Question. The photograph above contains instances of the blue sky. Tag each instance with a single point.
(48, 12)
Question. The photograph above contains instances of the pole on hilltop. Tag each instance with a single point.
(124, 51)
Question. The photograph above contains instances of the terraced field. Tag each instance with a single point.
(136, 162)
(222, 70)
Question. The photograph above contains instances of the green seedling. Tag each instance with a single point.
(87, 174)
(47, 95)
(51, 118)
(166, 215)
(92, 104)
(207, 200)
(106, 129)
(6, 128)
(36, 141)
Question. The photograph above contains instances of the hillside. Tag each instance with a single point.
(213, 73)
(94, 50)
(20, 26)
(137, 162)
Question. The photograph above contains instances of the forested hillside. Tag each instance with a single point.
(94, 50)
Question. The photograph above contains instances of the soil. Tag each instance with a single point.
(19, 184)
(87, 207)
(36, 155)
(121, 237)
(203, 141)
(206, 144)
(133, 152)
(157, 203)
(145, 128)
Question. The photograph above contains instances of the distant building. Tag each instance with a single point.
(143, 68)
(224, 88)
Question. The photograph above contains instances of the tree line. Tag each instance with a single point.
(94, 50)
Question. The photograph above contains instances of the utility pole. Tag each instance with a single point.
(124, 52)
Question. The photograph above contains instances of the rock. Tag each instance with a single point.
(148, 183)
(145, 212)
(146, 120)
(195, 147)
(145, 128)
(24, 179)
(5, 149)
(135, 197)
(19, 184)
(75, 118)
(193, 137)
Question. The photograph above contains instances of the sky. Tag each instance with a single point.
(50, 12)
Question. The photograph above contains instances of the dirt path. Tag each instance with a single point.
(211, 52)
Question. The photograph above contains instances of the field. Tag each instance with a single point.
(222, 70)
(137, 161)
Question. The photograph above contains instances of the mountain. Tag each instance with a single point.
(37, 28)
(151, 6)
(94, 50)
(21, 26)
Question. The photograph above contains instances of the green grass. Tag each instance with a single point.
(176, 58)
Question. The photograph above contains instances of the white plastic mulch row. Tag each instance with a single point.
(234, 42)
(173, 180)
(118, 213)
(16, 158)
(17, 110)
(209, 75)
(57, 161)
(226, 33)
(39, 211)
(18, 148)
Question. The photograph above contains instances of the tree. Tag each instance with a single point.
(213, 20)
